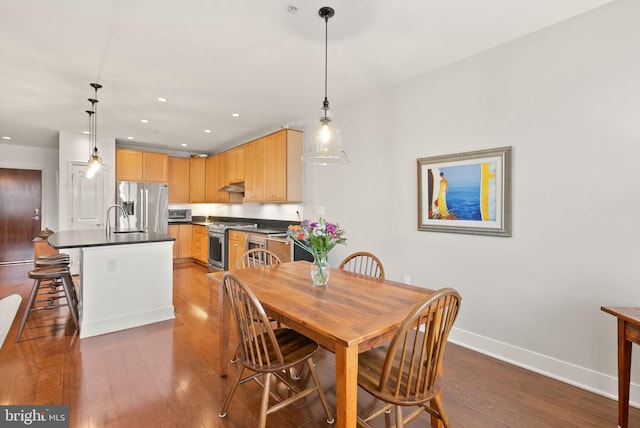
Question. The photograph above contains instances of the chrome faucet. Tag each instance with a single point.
(124, 214)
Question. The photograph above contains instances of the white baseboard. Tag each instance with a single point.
(563, 371)
(96, 328)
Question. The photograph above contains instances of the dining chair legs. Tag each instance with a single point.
(265, 410)
(232, 390)
(323, 398)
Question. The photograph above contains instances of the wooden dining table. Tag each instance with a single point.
(352, 314)
(628, 333)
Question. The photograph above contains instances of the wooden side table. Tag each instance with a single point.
(628, 333)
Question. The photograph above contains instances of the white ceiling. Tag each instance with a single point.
(213, 58)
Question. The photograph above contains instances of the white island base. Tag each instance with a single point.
(125, 286)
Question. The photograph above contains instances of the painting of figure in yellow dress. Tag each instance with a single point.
(466, 192)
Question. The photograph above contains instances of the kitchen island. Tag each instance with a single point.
(126, 279)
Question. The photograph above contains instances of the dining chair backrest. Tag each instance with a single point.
(256, 257)
(258, 347)
(364, 263)
(413, 362)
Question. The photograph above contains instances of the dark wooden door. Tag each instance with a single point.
(20, 197)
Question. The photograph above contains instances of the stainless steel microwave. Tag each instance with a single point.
(180, 216)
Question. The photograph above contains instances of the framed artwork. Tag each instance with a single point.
(466, 192)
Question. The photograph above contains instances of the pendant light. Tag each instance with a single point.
(324, 143)
(95, 161)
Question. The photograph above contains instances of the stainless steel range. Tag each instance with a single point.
(218, 242)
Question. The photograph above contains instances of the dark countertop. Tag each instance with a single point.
(98, 238)
(265, 230)
(197, 223)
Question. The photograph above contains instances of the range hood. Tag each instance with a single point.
(233, 188)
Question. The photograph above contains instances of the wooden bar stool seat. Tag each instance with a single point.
(50, 285)
(52, 261)
(54, 256)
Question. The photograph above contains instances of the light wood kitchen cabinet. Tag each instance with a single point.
(214, 180)
(254, 164)
(182, 247)
(155, 167)
(200, 243)
(234, 165)
(237, 246)
(135, 165)
(128, 165)
(197, 179)
(178, 179)
(283, 167)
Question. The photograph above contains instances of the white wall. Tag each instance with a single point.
(291, 212)
(567, 99)
(75, 147)
(45, 160)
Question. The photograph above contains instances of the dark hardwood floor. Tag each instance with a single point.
(164, 375)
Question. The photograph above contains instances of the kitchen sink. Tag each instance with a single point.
(127, 231)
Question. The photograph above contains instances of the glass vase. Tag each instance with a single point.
(320, 270)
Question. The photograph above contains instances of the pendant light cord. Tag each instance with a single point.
(94, 117)
(326, 55)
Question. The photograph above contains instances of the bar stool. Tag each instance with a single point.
(52, 260)
(58, 285)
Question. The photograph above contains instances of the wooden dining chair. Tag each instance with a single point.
(407, 371)
(363, 263)
(256, 257)
(253, 258)
(268, 353)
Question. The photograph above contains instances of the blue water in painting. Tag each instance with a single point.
(464, 202)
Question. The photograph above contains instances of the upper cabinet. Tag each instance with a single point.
(282, 166)
(134, 165)
(254, 171)
(178, 180)
(273, 169)
(275, 173)
(215, 180)
(234, 164)
(270, 168)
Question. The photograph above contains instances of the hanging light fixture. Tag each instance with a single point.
(324, 144)
(95, 161)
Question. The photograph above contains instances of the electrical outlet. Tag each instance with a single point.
(320, 211)
(112, 265)
(406, 279)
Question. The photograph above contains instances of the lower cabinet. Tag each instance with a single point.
(200, 243)
(182, 234)
(237, 246)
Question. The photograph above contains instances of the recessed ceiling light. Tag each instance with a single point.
(235, 114)
(162, 99)
(207, 131)
(4, 137)
(183, 145)
(144, 121)
(131, 138)
(86, 132)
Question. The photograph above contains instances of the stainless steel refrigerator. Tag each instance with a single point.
(146, 205)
